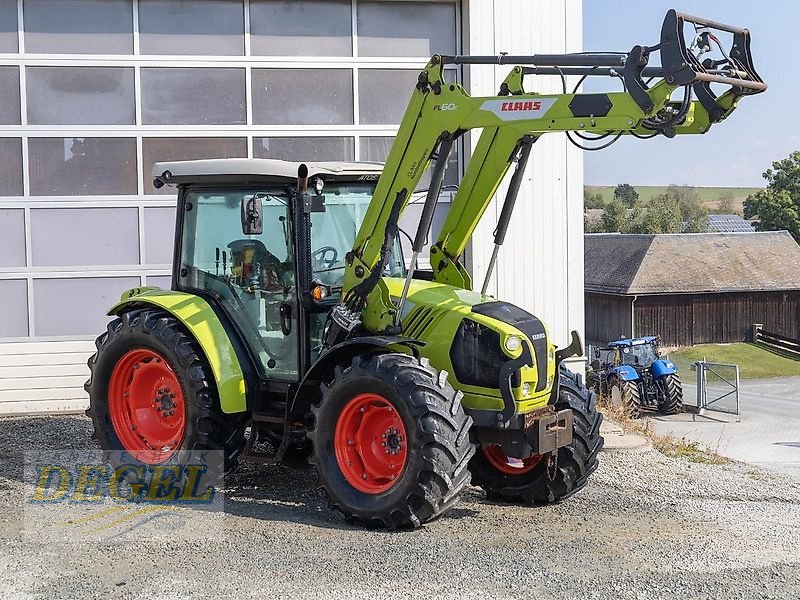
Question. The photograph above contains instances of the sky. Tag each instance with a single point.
(735, 153)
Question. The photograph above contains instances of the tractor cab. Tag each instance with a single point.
(270, 257)
(638, 352)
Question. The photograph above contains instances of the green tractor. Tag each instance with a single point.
(294, 323)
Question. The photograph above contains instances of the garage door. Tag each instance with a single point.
(93, 92)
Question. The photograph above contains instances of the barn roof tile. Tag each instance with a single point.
(691, 263)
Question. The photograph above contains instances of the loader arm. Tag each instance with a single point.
(439, 112)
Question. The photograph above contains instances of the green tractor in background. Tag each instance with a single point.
(294, 322)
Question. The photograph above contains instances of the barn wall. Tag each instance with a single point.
(715, 318)
(607, 318)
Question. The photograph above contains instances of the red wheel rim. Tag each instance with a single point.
(509, 465)
(370, 443)
(147, 406)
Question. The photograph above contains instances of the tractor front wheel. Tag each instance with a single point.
(152, 395)
(391, 441)
(538, 480)
(625, 395)
(672, 401)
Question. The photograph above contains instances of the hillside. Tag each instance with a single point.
(708, 195)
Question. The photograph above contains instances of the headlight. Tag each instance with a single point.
(551, 355)
(513, 343)
(526, 389)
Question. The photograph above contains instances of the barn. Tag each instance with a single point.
(691, 288)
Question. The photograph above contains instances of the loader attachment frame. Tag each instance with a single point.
(440, 112)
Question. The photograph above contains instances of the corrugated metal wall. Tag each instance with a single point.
(541, 265)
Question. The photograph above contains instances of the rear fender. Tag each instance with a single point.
(308, 392)
(662, 368)
(626, 373)
(202, 323)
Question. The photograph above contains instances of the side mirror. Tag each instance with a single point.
(252, 215)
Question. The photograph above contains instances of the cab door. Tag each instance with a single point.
(251, 277)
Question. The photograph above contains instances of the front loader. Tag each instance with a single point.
(296, 332)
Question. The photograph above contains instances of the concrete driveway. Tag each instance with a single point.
(767, 435)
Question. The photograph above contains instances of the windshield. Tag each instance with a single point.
(642, 355)
(333, 233)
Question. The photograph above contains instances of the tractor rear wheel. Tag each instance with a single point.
(535, 480)
(672, 402)
(625, 395)
(152, 395)
(391, 441)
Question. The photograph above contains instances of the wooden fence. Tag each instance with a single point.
(776, 341)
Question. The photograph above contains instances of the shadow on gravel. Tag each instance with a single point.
(256, 491)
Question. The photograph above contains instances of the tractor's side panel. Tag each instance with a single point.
(204, 325)
(662, 367)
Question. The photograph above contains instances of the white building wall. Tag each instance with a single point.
(540, 267)
(52, 305)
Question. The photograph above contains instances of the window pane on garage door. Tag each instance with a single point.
(9, 96)
(182, 148)
(8, 26)
(162, 281)
(210, 27)
(305, 149)
(78, 26)
(10, 166)
(406, 28)
(76, 306)
(303, 96)
(159, 235)
(285, 28)
(193, 96)
(82, 166)
(383, 94)
(14, 316)
(80, 96)
(84, 236)
(12, 234)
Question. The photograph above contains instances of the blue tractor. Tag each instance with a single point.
(633, 374)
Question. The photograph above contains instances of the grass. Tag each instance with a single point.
(667, 445)
(755, 362)
(706, 194)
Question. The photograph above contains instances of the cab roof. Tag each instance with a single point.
(258, 170)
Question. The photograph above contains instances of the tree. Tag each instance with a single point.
(592, 200)
(727, 204)
(778, 206)
(694, 213)
(626, 194)
(662, 216)
(615, 217)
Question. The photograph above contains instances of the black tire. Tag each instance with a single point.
(437, 432)
(630, 398)
(672, 403)
(206, 426)
(575, 462)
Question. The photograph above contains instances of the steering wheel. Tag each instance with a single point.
(321, 255)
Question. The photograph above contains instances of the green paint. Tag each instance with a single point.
(201, 321)
(441, 109)
(449, 306)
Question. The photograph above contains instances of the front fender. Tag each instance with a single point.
(626, 373)
(662, 368)
(203, 324)
(342, 354)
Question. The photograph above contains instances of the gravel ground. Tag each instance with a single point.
(647, 526)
